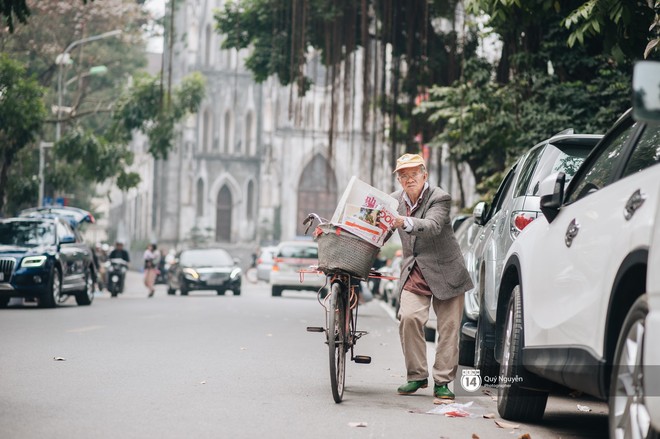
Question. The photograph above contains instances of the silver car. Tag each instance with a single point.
(515, 205)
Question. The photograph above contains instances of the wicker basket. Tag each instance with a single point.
(341, 250)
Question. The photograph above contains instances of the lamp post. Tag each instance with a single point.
(63, 58)
(42, 146)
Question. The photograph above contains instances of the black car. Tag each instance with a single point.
(44, 258)
(204, 269)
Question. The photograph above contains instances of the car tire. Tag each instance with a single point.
(86, 297)
(465, 346)
(515, 402)
(276, 291)
(237, 292)
(54, 295)
(627, 408)
(220, 292)
(484, 347)
(4, 301)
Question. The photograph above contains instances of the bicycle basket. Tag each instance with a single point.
(341, 250)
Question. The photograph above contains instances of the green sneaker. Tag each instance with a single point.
(412, 386)
(442, 392)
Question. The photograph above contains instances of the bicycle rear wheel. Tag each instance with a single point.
(337, 339)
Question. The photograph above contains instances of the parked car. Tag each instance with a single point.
(265, 263)
(290, 258)
(204, 269)
(572, 303)
(514, 206)
(44, 258)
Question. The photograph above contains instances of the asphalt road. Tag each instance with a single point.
(208, 366)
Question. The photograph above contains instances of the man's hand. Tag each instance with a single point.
(398, 222)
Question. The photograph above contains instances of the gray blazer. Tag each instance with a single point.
(432, 244)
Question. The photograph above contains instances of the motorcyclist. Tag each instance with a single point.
(119, 252)
(118, 272)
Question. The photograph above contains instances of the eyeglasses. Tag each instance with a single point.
(405, 177)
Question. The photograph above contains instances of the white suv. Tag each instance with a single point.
(571, 305)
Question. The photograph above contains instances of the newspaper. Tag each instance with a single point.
(366, 212)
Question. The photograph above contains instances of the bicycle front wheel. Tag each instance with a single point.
(337, 339)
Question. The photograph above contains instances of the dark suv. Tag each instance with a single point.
(44, 258)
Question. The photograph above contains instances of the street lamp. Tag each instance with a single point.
(42, 146)
(64, 58)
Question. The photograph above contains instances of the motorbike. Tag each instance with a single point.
(116, 269)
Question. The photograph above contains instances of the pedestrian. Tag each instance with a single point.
(433, 273)
(151, 258)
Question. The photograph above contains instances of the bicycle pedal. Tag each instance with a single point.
(362, 359)
(315, 329)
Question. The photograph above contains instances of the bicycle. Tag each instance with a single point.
(341, 306)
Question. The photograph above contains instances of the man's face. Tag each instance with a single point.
(412, 180)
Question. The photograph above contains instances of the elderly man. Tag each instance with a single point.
(432, 273)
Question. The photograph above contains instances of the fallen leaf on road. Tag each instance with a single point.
(503, 424)
(475, 436)
(203, 382)
(525, 436)
(583, 408)
(59, 358)
(357, 424)
(489, 416)
(437, 401)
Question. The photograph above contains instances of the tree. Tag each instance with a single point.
(22, 113)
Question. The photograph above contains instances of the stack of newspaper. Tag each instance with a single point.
(366, 212)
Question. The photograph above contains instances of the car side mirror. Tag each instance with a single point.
(646, 91)
(479, 213)
(67, 239)
(551, 192)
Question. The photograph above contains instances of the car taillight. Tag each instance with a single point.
(520, 220)
(276, 267)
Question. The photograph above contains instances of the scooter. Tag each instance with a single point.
(116, 269)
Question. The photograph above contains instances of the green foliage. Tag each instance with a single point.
(22, 113)
(629, 27)
(144, 108)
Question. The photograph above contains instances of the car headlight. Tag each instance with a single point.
(33, 261)
(191, 274)
(235, 272)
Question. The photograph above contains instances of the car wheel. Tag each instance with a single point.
(54, 295)
(276, 291)
(220, 292)
(86, 296)
(484, 347)
(465, 346)
(237, 292)
(4, 301)
(629, 416)
(513, 401)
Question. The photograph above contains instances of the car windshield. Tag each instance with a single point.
(206, 258)
(27, 234)
(299, 251)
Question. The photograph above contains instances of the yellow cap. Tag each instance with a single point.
(409, 161)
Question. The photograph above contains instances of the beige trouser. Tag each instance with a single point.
(413, 315)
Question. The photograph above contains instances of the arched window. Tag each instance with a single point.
(208, 43)
(250, 201)
(207, 130)
(223, 215)
(250, 144)
(200, 198)
(228, 133)
(317, 191)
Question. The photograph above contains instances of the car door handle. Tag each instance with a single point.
(571, 232)
(634, 202)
